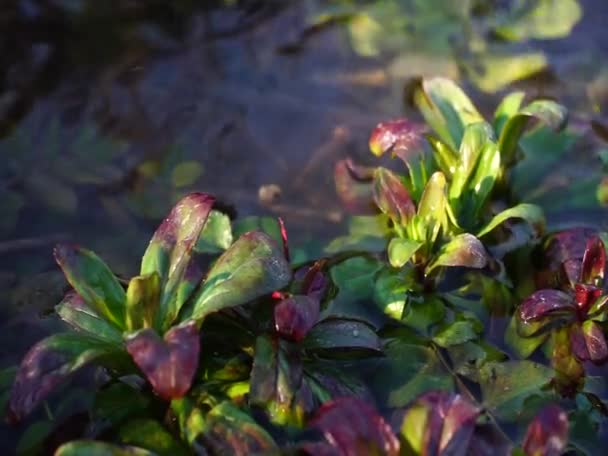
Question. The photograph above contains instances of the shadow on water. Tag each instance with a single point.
(109, 111)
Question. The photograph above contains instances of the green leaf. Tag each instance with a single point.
(481, 185)
(390, 288)
(547, 112)
(151, 435)
(50, 362)
(508, 107)
(446, 108)
(332, 336)
(143, 296)
(495, 69)
(94, 448)
(528, 212)
(216, 235)
(541, 19)
(119, 401)
(170, 251)
(400, 250)
(463, 250)
(33, 437)
(365, 233)
(356, 275)
(75, 312)
(432, 206)
(267, 225)
(444, 156)
(476, 137)
(94, 281)
(505, 386)
(522, 346)
(252, 267)
(186, 173)
(455, 333)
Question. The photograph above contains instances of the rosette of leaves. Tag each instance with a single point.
(153, 323)
(570, 320)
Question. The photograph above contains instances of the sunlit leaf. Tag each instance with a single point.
(93, 281)
(353, 427)
(74, 311)
(547, 434)
(446, 109)
(432, 205)
(463, 250)
(594, 262)
(48, 364)
(482, 182)
(508, 107)
(401, 250)
(294, 316)
(170, 363)
(544, 302)
(528, 212)
(392, 197)
(494, 69)
(401, 137)
(595, 341)
(252, 266)
(546, 112)
(354, 186)
(421, 312)
(455, 333)
(505, 386)
(216, 235)
(443, 155)
(143, 299)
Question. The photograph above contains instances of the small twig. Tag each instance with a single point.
(16, 245)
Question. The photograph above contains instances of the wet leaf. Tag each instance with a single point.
(505, 386)
(528, 212)
(401, 250)
(228, 430)
(401, 137)
(170, 250)
(294, 316)
(439, 422)
(547, 434)
(93, 280)
(143, 298)
(252, 267)
(392, 197)
(594, 262)
(542, 19)
(333, 336)
(547, 112)
(544, 302)
(48, 364)
(94, 448)
(151, 435)
(354, 186)
(170, 363)
(463, 250)
(75, 312)
(216, 235)
(354, 427)
(446, 109)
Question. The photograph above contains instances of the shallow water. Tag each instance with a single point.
(98, 111)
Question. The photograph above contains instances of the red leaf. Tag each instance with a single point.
(293, 317)
(354, 186)
(594, 262)
(392, 197)
(168, 364)
(400, 136)
(595, 341)
(311, 281)
(544, 302)
(547, 435)
(284, 239)
(585, 296)
(354, 427)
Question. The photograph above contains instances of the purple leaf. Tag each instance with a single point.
(168, 364)
(354, 427)
(595, 341)
(401, 137)
(439, 422)
(94, 281)
(47, 364)
(594, 262)
(463, 250)
(392, 197)
(547, 435)
(354, 186)
(170, 250)
(577, 342)
(311, 281)
(294, 316)
(544, 302)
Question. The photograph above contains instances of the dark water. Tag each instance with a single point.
(110, 111)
